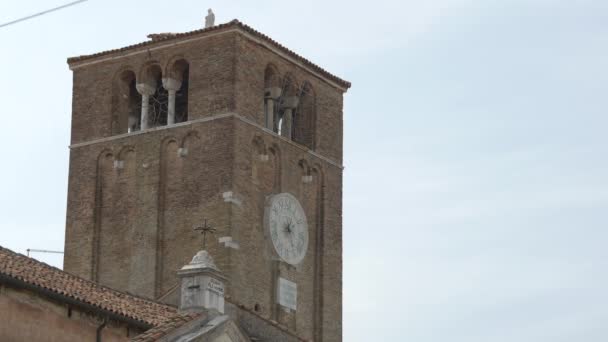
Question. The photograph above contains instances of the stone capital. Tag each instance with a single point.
(145, 89)
(272, 92)
(290, 102)
(171, 84)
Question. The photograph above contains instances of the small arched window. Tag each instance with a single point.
(305, 117)
(287, 104)
(151, 87)
(272, 94)
(176, 85)
(126, 103)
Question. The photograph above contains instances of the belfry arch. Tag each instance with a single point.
(176, 84)
(305, 117)
(126, 103)
(154, 97)
(272, 94)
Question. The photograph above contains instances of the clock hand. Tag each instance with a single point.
(287, 226)
(289, 231)
(291, 235)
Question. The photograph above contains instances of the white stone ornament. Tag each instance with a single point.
(202, 284)
(209, 19)
(287, 227)
(202, 259)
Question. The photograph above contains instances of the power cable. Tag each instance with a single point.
(42, 13)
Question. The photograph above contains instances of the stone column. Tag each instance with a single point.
(289, 105)
(271, 95)
(146, 90)
(172, 85)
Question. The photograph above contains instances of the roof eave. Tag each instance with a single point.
(78, 61)
(4, 278)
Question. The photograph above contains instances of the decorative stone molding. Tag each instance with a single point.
(231, 197)
(182, 152)
(145, 89)
(272, 93)
(119, 164)
(171, 84)
(290, 102)
(208, 119)
(201, 260)
(228, 242)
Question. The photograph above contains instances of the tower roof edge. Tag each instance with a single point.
(158, 40)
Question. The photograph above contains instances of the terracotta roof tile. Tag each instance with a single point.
(267, 320)
(160, 38)
(33, 272)
(169, 325)
(177, 321)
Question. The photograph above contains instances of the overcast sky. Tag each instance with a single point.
(475, 192)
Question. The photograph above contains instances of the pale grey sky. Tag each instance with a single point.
(475, 191)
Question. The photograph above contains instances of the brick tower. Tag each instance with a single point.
(220, 124)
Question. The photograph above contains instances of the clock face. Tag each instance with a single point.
(286, 223)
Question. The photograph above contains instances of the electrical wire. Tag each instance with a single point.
(42, 13)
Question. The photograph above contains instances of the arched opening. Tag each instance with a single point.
(287, 105)
(176, 85)
(272, 93)
(304, 120)
(258, 158)
(126, 104)
(154, 97)
(159, 100)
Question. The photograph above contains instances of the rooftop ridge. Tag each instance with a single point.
(272, 322)
(159, 39)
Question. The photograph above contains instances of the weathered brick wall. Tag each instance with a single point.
(211, 82)
(252, 60)
(254, 277)
(27, 316)
(131, 227)
(324, 214)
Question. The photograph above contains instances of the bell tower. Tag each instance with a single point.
(221, 124)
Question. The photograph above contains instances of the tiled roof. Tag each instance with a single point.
(162, 318)
(168, 326)
(159, 39)
(41, 276)
(268, 321)
(162, 330)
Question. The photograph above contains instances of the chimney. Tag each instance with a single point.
(202, 285)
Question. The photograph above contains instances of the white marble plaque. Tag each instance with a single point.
(287, 293)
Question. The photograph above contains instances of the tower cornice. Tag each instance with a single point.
(167, 40)
(207, 119)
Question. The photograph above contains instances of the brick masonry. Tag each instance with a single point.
(133, 199)
(27, 316)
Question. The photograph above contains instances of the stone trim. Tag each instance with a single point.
(206, 119)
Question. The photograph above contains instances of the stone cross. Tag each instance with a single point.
(209, 19)
(204, 229)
